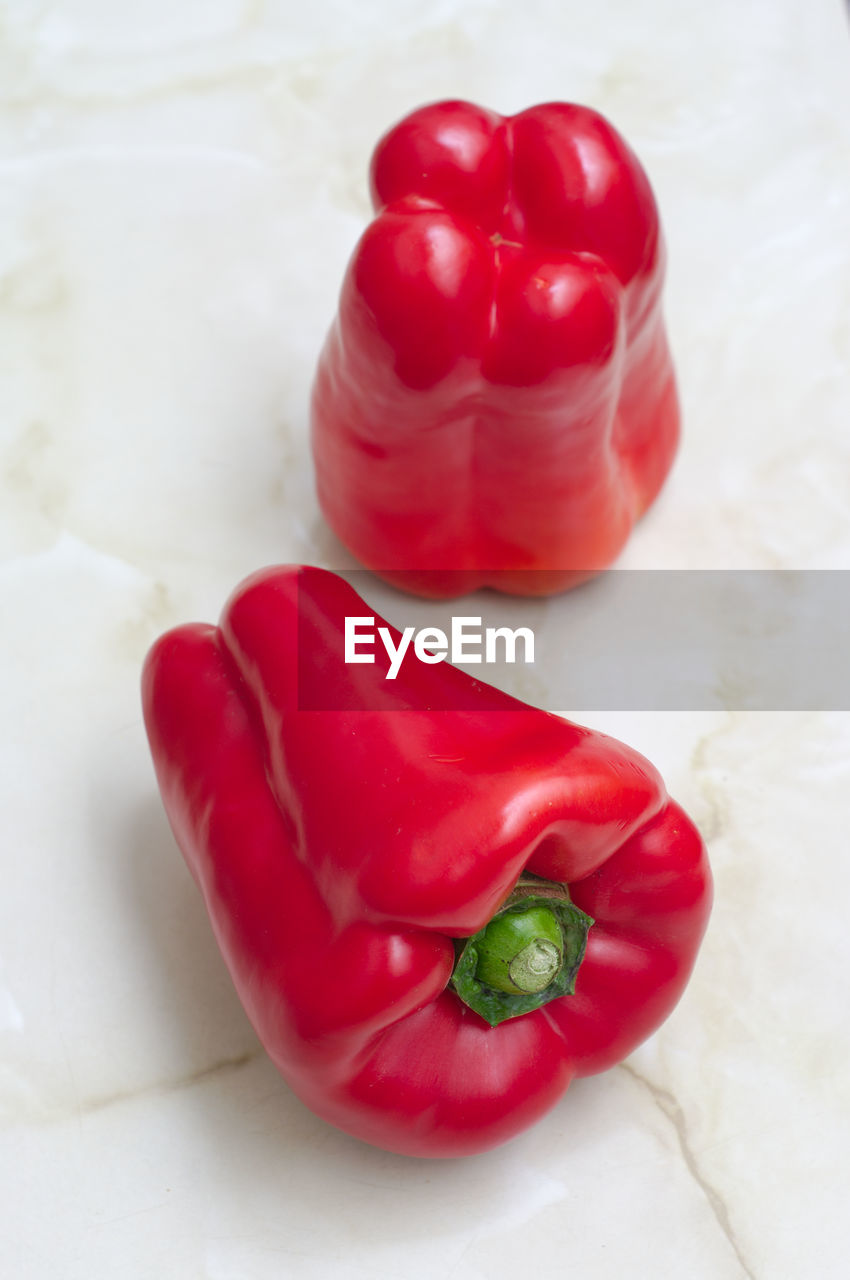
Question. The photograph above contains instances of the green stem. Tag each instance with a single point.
(527, 955)
(520, 951)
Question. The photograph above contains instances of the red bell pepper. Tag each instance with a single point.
(434, 919)
(495, 403)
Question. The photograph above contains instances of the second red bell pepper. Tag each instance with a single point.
(495, 403)
(435, 919)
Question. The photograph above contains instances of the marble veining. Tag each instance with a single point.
(181, 187)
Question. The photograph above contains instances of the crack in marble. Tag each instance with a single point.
(201, 1076)
(672, 1110)
(97, 1103)
(713, 825)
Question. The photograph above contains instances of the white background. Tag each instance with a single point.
(181, 184)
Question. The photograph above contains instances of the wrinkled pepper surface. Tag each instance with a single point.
(435, 919)
(495, 403)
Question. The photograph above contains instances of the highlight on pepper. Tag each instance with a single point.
(435, 918)
(495, 404)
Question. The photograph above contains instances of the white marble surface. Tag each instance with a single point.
(180, 186)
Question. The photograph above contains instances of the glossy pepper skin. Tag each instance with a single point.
(341, 852)
(495, 403)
